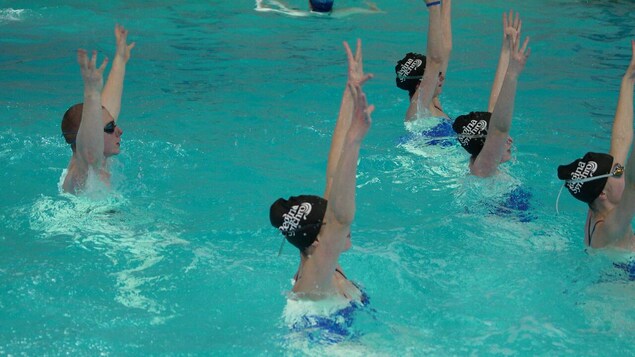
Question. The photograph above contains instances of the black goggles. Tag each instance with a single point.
(110, 127)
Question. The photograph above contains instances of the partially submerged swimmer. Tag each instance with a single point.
(91, 127)
(316, 8)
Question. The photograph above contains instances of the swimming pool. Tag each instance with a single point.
(226, 109)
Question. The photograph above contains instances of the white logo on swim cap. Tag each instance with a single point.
(293, 217)
(408, 67)
(474, 127)
(581, 172)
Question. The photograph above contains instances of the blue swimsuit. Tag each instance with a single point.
(515, 204)
(441, 134)
(333, 328)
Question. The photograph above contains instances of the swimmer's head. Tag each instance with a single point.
(72, 120)
(299, 218)
(409, 71)
(472, 131)
(70, 123)
(585, 178)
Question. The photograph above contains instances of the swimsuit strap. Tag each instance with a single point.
(342, 274)
(591, 231)
(295, 277)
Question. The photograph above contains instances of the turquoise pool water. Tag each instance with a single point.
(226, 109)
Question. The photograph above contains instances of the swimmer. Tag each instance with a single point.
(485, 135)
(316, 8)
(320, 227)
(91, 127)
(603, 183)
(423, 76)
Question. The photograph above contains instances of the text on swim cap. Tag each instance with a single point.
(581, 172)
(474, 127)
(408, 67)
(293, 217)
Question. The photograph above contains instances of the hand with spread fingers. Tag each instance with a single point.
(93, 76)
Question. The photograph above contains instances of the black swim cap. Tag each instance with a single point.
(299, 218)
(472, 130)
(409, 72)
(321, 5)
(591, 165)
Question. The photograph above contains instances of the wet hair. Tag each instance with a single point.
(70, 123)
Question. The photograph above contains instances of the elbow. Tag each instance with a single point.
(344, 216)
(90, 158)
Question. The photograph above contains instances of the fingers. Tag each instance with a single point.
(82, 58)
(369, 110)
(103, 64)
(365, 78)
(131, 46)
(349, 53)
(93, 59)
(358, 52)
(524, 48)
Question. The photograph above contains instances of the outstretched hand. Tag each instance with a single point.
(355, 64)
(93, 76)
(518, 55)
(123, 49)
(511, 26)
(361, 113)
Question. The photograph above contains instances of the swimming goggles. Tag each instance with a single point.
(110, 127)
(617, 171)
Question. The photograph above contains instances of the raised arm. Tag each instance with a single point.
(342, 202)
(618, 222)
(511, 27)
(111, 95)
(446, 23)
(434, 62)
(90, 136)
(355, 75)
(340, 209)
(487, 161)
(622, 133)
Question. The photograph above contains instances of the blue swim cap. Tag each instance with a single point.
(321, 5)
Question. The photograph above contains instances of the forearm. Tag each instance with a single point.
(504, 108)
(90, 137)
(622, 131)
(342, 198)
(113, 90)
(501, 69)
(425, 90)
(339, 134)
(446, 20)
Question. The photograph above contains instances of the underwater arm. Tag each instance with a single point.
(434, 61)
(90, 136)
(355, 74)
(511, 27)
(487, 161)
(113, 90)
